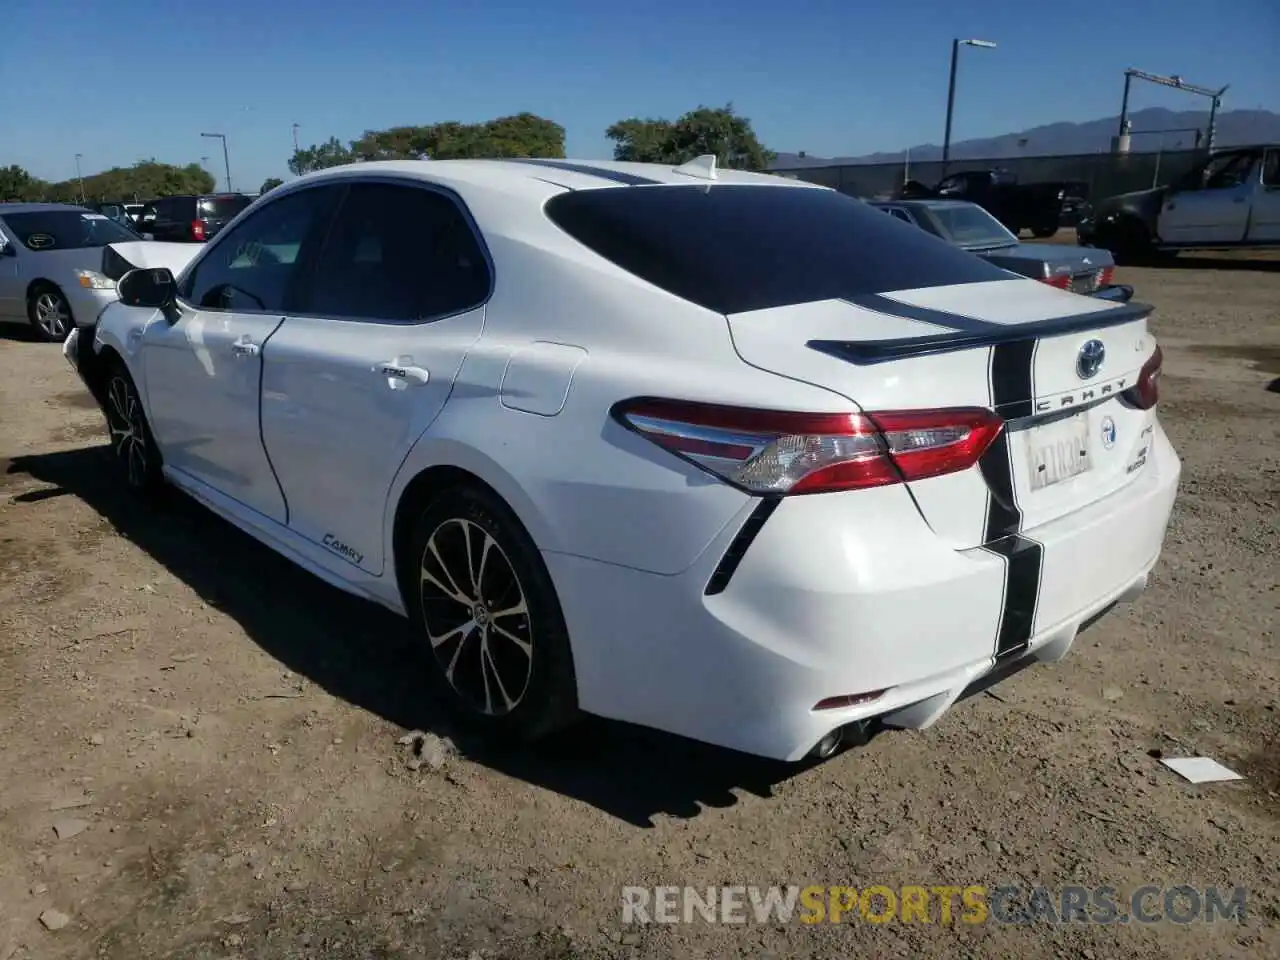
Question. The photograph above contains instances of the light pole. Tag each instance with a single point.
(951, 92)
(295, 139)
(226, 157)
(80, 179)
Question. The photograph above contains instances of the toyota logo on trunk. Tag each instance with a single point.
(1089, 359)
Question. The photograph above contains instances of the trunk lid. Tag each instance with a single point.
(1015, 346)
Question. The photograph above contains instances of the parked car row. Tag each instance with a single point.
(733, 456)
(183, 218)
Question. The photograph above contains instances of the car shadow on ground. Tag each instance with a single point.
(368, 657)
(1184, 261)
(21, 332)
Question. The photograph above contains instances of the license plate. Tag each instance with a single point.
(1059, 451)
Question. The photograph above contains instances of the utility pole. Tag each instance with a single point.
(226, 157)
(80, 179)
(956, 44)
(295, 139)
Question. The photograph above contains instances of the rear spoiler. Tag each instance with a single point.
(967, 333)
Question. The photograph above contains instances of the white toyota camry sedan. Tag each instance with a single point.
(728, 455)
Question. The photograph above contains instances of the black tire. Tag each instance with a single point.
(1130, 243)
(477, 655)
(133, 448)
(49, 313)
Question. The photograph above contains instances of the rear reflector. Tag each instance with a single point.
(781, 452)
(1146, 392)
(849, 700)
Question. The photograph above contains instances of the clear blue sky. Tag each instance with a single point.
(131, 79)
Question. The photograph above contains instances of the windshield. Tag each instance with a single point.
(968, 225)
(736, 248)
(66, 230)
(222, 208)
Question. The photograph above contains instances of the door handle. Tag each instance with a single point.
(1239, 200)
(402, 368)
(244, 347)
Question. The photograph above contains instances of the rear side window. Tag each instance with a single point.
(398, 253)
(735, 248)
(222, 208)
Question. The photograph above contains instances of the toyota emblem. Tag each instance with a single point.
(1089, 359)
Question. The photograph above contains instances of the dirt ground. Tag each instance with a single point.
(199, 750)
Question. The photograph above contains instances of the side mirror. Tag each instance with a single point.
(6, 248)
(151, 287)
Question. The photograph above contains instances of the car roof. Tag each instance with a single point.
(6, 208)
(924, 202)
(532, 177)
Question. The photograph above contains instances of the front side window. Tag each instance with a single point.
(398, 253)
(734, 248)
(1223, 173)
(256, 266)
(66, 230)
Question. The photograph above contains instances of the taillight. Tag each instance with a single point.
(197, 229)
(780, 452)
(1146, 392)
(1062, 281)
(1105, 276)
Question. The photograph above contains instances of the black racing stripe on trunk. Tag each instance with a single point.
(616, 176)
(1012, 389)
(728, 564)
(938, 318)
(1011, 366)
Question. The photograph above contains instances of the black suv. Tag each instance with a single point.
(191, 218)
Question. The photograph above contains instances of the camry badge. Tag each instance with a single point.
(1089, 359)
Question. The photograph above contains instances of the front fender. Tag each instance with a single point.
(122, 330)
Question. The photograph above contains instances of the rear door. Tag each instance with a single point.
(1218, 212)
(356, 375)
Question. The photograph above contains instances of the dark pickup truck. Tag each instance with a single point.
(1037, 207)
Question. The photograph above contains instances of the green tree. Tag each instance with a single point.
(520, 135)
(331, 153)
(715, 130)
(269, 184)
(145, 180)
(17, 184)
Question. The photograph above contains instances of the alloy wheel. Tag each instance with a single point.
(52, 314)
(128, 430)
(476, 615)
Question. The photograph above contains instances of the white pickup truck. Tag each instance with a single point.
(1229, 201)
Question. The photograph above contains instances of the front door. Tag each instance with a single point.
(1216, 213)
(203, 365)
(13, 290)
(1264, 219)
(355, 377)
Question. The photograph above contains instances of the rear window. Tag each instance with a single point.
(734, 248)
(66, 230)
(969, 225)
(222, 208)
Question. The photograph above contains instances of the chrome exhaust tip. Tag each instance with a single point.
(828, 745)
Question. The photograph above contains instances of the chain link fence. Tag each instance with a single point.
(1103, 174)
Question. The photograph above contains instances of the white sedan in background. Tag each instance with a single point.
(729, 455)
(59, 264)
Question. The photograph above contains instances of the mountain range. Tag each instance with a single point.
(1235, 127)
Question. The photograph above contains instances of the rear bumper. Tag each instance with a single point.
(841, 594)
(1116, 293)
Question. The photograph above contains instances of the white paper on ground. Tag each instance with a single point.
(1200, 769)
